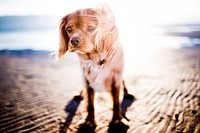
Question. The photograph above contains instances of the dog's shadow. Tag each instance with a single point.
(72, 107)
(127, 101)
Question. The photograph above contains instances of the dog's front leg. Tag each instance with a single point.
(90, 119)
(116, 105)
(118, 123)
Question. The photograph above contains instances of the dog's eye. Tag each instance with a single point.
(69, 29)
(90, 28)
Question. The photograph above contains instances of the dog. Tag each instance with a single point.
(93, 35)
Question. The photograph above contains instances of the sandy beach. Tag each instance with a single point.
(38, 94)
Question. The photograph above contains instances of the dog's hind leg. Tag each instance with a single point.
(124, 88)
(126, 94)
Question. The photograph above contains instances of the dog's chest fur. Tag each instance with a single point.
(101, 71)
(96, 73)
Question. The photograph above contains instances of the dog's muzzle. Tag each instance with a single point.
(75, 41)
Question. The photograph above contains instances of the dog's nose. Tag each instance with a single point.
(75, 41)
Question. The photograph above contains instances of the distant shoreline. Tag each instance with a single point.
(26, 53)
(23, 50)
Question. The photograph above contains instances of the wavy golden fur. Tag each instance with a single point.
(106, 32)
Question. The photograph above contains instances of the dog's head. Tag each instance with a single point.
(87, 31)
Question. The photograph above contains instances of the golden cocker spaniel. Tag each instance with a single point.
(93, 35)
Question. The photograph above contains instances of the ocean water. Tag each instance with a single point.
(29, 32)
(41, 33)
(29, 39)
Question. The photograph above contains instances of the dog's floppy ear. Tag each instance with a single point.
(107, 36)
(63, 37)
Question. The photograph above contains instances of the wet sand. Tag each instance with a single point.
(40, 95)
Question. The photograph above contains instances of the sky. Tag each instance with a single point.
(148, 11)
(133, 17)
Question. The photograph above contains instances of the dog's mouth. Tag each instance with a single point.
(81, 48)
(75, 49)
(78, 51)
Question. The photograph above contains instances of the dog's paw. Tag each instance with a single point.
(90, 124)
(87, 127)
(119, 126)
